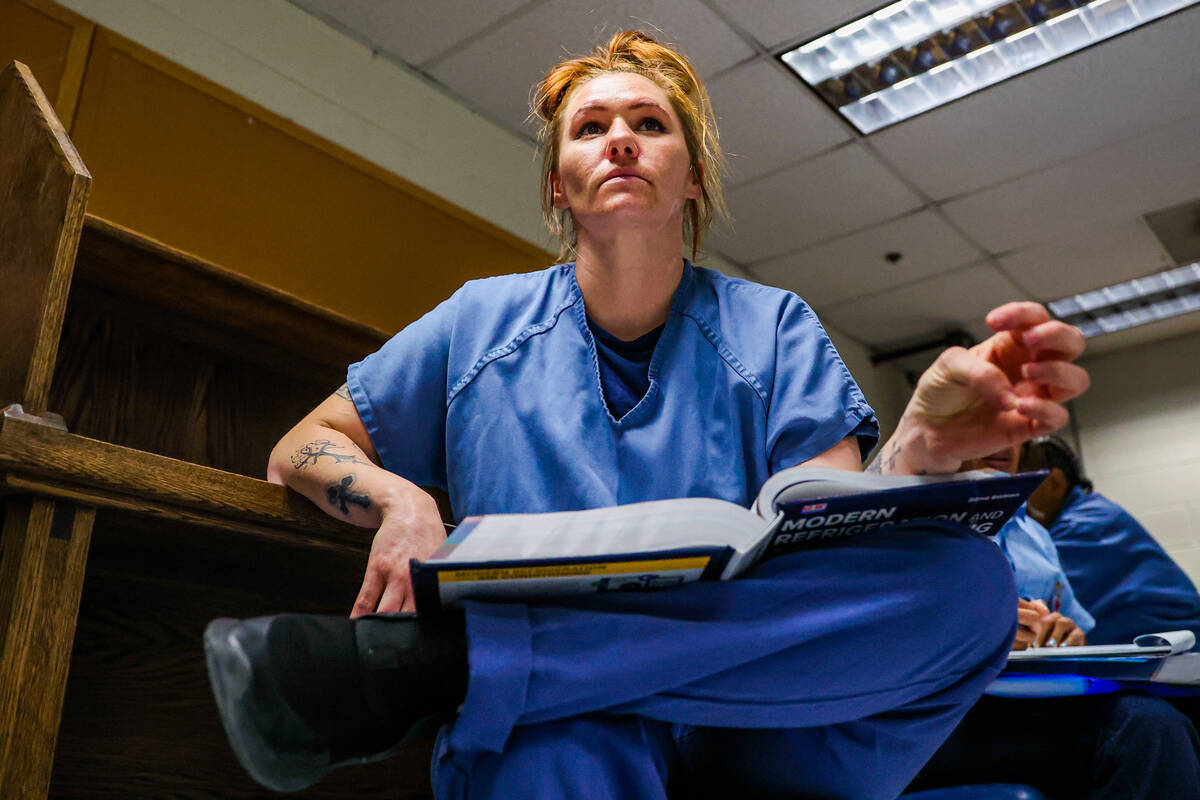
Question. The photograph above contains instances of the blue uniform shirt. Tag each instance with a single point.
(1037, 570)
(1120, 572)
(495, 395)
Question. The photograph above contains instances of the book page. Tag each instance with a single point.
(637, 527)
(810, 483)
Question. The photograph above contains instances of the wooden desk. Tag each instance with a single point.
(123, 537)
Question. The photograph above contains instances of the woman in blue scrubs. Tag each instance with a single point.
(629, 374)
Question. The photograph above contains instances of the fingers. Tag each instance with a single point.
(1058, 631)
(985, 378)
(1056, 380)
(385, 593)
(1016, 316)
(1041, 416)
(1044, 635)
(1076, 638)
(1029, 625)
(1054, 340)
(369, 594)
(396, 596)
(1061, 630)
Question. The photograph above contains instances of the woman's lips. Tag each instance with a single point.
(623, 177)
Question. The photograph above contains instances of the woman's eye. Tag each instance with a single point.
(652, 123)
(589, 129)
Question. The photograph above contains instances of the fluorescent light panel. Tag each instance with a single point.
(1125, 305)
(914, 55)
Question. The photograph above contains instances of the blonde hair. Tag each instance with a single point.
(638, 53)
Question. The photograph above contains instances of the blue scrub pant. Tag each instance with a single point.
(834, 672)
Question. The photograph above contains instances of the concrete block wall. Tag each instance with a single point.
(1139, 434)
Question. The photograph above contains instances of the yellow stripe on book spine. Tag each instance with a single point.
(572, 570)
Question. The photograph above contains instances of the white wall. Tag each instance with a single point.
(1139, 434)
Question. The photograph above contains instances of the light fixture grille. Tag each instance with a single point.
(1136, 302)
(914, 55)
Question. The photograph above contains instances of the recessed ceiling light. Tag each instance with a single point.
(1124, 305)
(914, 55)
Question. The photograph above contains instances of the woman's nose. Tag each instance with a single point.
(622, 143)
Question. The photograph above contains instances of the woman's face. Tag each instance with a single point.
(622, 157)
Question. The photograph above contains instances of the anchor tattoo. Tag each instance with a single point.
(341, 495)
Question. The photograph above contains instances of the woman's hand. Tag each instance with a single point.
(1038, 626)
(411, 528)
(1001, 392)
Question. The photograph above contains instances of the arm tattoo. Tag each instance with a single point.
(343, 391)
(311, 453)
(886, 463)
(342, 496)
(886, 458)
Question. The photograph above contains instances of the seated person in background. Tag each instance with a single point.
(1119, 572)
(1049, 613)
(1098, 747)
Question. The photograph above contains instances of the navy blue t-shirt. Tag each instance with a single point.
(624, 367)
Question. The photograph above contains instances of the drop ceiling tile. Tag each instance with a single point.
(1086, 259)
(411, 30)
(936, 305)
(854, 265)
(775, 22)
(768, 119)
(495, 72)
(1108, 186)
(816, 200)
(1112, 91)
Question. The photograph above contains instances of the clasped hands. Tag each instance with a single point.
(1038, 626)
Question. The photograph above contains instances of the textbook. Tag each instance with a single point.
(1153, 658)
(664, 543)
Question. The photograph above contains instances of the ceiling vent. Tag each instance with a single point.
(1178, 229)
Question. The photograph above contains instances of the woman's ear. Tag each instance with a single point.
(557, 195)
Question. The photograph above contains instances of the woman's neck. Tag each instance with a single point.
(628, 282)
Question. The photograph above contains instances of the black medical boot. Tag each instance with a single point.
(301, 695)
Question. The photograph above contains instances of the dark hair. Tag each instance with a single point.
(1051, 452)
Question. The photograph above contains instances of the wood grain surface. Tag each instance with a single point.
(137, 267)
(32, 451)
(138, 719)
(43, 192)
(50, 544)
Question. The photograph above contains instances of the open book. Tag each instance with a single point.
(1159, 658)
(668, 542)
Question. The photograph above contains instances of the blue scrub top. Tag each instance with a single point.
(1120, 572)
(495, 395)
(1037, 570)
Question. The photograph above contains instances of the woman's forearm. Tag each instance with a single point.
(328, 468)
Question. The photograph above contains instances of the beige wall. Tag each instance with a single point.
(1139, 434)
(885, 387)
